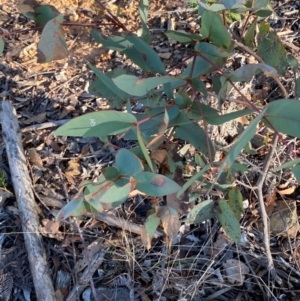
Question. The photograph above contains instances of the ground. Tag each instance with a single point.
(108, 248)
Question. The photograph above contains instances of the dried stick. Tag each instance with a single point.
(84, 279)
(259, 186)
(26, 204)
(262, 177)
(44, 125)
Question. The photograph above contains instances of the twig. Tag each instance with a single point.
(111, 16)
(84, 278)
(45, 125)
(119, 222)
(27, 207)
(259, 186)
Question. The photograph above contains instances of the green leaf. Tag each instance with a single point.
(198, 85)
(211, 50)
(1, 46)
(140, 87)
(283, 115)
(144, 150)
(212, 28)
(110, 193)
(44, 13)
(228, 220)
(293, 62)
(182, 37)
(135, 49)
(75, 207)
(263, 13)
(287, 165)
(201, 212)
(111, 173)
(145, 33)
(270, 49)
(250, 34)
(296, 171)
(52, 45)
(127, 163)
(105, 85)
(297, 88)
(192, 180)
(240, 143)
(223, 5)
(220, 119)
(203, 66)
(247, 72)
(155, 184)
(199, 161)
(212, 116)
(151, 224)
(196, 136)
(235, 202)
(98, 124)
(258, 4)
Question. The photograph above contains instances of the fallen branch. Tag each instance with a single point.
(26, 204)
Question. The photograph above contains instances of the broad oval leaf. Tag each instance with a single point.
(151, 224)
(127, 163)
(140, 87)
(201, 212)
(52, 45)
(134, 48)
(228, 220)
(110, 193)
(111, 173)
(284, 116)
(105, 86)
(44, 13)
(271, 49)
(182, 37)
(98, 124)
(196, 136)
(155, 184)
(235, 201)
(212, 27)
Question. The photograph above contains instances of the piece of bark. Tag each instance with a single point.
(26, 204)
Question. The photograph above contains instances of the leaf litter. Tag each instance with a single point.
(193, 269)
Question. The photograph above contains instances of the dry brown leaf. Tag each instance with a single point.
(181, 204)
(92, 249)
(73, 169)
(220, 244)
(50, 229)
(161, 157)
(284, 219)
(170, 222)
(34, 158)
(286, 191)
(243, 120)
(66, 111)
(156, 142)
(36, 119)
(235, 271)
(145, 239)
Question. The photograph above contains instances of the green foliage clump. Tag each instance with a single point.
(174, 108)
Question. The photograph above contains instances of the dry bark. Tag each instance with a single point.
(26, 204)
